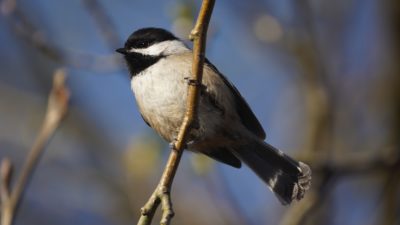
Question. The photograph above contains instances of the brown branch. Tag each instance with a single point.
(56, 111)
(319, 106)
(162, 192)
(330, 170)
(390, 192)
(5, 172)
(296, 214)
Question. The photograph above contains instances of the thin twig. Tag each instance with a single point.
(5, 176)
(56, 111)
(162, 192)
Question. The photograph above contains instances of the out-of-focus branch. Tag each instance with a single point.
(329, 171)
(104, 22)
(315, 86)
(240, 216)
(326, 169)
(56, 111)
(390, 189)
(296, 214)
(390, 195)
(5, 176)
(332, 170)
(359, 164)
(21, 26)
(319, 113)
(162, 192)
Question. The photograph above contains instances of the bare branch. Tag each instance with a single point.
(297, 213)
(56, 111)
(5, 177)
(5, 172)
(162, 192)
(390, 192)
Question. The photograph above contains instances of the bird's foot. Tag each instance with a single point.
(172, 145)
(192, 82)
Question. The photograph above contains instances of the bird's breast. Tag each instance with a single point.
(160, 93)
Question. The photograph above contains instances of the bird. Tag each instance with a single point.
(226, 129)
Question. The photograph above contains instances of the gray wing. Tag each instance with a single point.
(247, 116)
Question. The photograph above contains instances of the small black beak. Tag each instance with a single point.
(122, 51)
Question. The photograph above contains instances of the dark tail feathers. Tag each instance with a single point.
(287, 178)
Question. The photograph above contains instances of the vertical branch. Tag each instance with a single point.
(316, 88)
(56, 110)
(390, 205)
(319, 113)
(5, 176)
(390, 192)
(162, 192)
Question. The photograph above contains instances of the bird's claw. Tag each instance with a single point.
(172, 145)
(192, 82)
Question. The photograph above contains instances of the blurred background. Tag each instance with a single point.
(322, 77)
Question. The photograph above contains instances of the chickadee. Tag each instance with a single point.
(226, 129)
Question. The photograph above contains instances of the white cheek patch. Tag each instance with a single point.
(162, 48)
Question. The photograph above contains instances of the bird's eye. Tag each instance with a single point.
(142, 44)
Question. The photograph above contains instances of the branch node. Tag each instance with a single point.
(144, 211)
(164, 190)
(194, 34)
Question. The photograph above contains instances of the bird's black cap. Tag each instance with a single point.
(146, 37)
